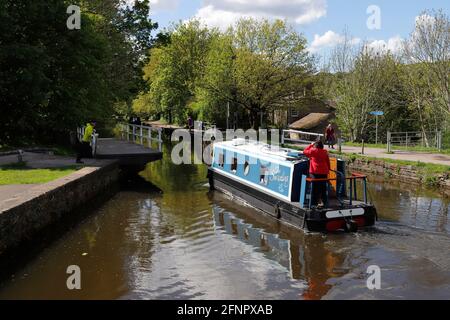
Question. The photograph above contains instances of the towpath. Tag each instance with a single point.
(434, 158)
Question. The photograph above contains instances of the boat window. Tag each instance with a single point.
(264, 175)
(246, 168)
(221, 159)
(234, 165)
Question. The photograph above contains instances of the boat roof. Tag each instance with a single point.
(258, 148)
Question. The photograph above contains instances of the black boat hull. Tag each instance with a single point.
(314, 220)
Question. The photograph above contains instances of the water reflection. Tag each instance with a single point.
(303, 259)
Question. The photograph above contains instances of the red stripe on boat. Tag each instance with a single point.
(335, 225)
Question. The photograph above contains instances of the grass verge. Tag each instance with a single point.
(19, 173)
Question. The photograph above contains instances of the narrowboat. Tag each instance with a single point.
(276, 181)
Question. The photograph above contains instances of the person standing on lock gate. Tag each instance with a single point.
(85, 149)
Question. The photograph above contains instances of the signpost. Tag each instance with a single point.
(377, 114)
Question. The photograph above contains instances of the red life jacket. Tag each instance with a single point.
(320, 161)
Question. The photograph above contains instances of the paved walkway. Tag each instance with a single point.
(435, 158)
(46, 161)
(159, 124)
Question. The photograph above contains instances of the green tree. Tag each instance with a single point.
(174, 72)
(218, 87)
(264, 67)
(372, 83)
(53, 79)
(255, 67)
(427, 54)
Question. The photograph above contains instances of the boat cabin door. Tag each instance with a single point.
(333, 175)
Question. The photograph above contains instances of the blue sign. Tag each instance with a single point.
(377, 113)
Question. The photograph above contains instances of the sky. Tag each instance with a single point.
(321, 21)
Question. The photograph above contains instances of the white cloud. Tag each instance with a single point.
(329, 39)
(223, 13)
(394, 45)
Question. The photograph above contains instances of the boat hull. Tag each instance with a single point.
(314, 220)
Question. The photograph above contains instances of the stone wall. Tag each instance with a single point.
(26, 216)
(398, 172)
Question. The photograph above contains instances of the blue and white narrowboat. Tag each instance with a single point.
(276, 181)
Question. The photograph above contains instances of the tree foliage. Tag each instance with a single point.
(53, 79)
(173, 73)
(429, 46)
(254, 66)
(411, 88)
(372, 85)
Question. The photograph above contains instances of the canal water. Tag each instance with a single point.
(177, 240)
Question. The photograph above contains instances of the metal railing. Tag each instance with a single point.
(414, 140)
(341, 183)
(141, 133)
(302, 137)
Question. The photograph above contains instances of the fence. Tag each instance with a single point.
(132, 132)
(295, 136)
(414, 141)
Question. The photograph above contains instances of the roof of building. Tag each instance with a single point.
(311, 121)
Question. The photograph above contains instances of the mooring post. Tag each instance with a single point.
(363, 146)
(20, 156)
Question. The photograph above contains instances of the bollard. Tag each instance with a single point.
(20, 156)
(363, 146)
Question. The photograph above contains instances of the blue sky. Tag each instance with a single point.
(320, 20)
